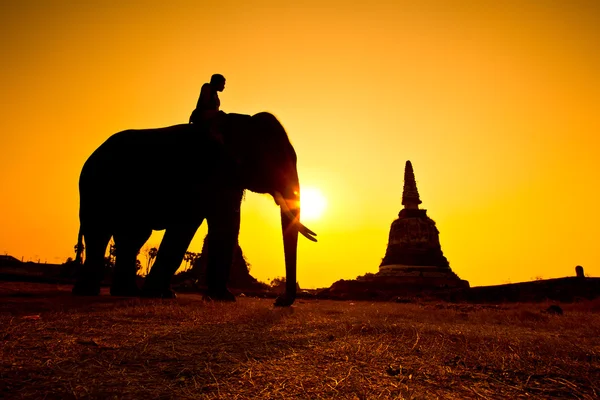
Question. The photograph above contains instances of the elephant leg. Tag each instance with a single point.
(223, 231)
(128, 243)
(168, 259)
(91, 273)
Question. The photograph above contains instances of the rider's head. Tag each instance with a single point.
(218, 82)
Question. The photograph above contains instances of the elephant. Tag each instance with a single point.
(173, 178)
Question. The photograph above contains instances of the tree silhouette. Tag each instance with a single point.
(109, 260)
(77, 249)
(278, 284)
(150, 253)
(190, 258)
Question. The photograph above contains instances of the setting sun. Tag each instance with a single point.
(312, 204)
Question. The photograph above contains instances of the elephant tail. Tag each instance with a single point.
(79, 247)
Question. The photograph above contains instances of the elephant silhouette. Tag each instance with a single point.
(174, 178)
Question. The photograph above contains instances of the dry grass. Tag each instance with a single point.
(55, 346)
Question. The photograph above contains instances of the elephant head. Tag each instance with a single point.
(267, 164)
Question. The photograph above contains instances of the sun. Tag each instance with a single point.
(312, 204)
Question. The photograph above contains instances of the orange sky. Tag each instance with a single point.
(495, 103)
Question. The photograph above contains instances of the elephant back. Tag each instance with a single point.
(143, 158)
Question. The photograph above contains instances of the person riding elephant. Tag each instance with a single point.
(207, 113)
(190, 182)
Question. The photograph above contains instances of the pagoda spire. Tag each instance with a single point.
(410, 194)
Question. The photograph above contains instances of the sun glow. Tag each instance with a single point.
(312, 204)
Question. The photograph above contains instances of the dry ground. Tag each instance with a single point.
(55, 346)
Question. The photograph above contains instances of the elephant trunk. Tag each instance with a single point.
(290, 248)
(290, 227)
(290, 217)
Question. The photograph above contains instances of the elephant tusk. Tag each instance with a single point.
(307, 233)
(284, 207)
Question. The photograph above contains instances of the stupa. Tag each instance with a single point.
(414, 254)
(414, 263)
